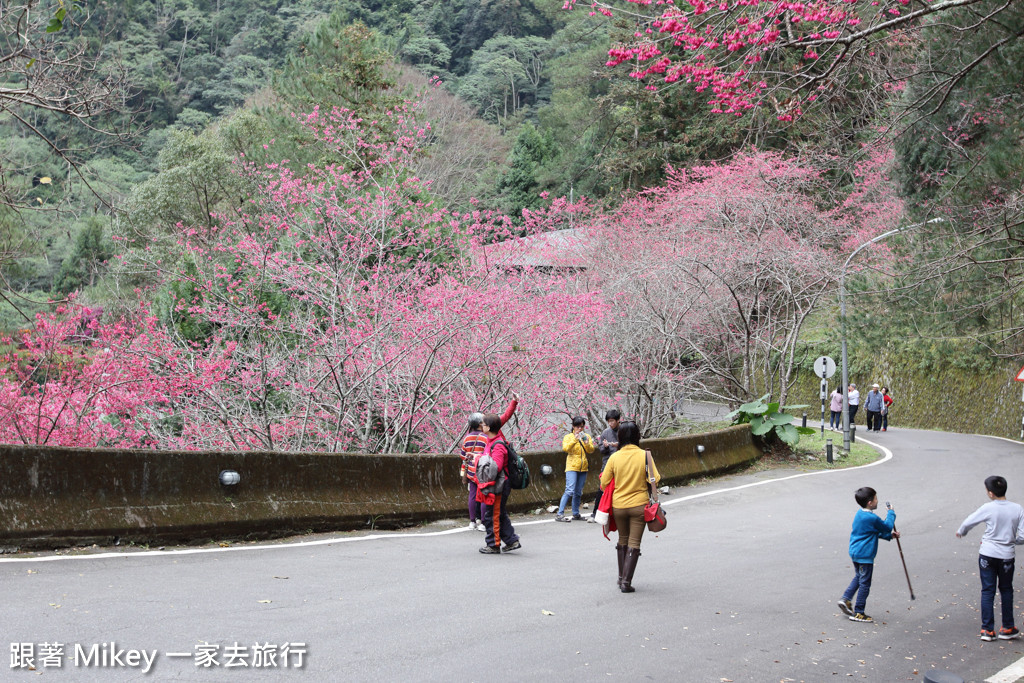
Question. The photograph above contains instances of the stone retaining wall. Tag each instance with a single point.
(53, 497)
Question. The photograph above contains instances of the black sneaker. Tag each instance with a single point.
(987, 635)
(490, 550)
(860, 616)
(577, 517)
(1009, 633)
(509, 547)
(562, 518)
(846, 607)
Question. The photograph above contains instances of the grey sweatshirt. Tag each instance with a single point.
(1004, 528)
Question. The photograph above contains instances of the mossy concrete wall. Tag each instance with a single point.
(953, 399)
(53, 497)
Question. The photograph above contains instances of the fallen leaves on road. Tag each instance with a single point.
(547, 613)
(264, 601)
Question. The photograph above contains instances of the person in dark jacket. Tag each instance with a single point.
(607, 444)
(874, 404)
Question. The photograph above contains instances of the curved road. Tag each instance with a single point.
(740, 587)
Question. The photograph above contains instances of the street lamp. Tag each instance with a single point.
(842, 322)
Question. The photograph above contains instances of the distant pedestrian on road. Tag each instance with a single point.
(854, 401)
(887, 400)
(577, 444)
(836, 406)
(627, 467)
(874, 403)
(493, 488)
(867, 529)
(472, 446)
(607, 444)
(1004, 531)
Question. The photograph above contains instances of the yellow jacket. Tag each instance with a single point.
(628, 467)
(576, 458)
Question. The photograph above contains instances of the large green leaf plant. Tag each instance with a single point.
(765, 418)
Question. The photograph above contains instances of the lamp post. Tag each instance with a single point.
(842, 322)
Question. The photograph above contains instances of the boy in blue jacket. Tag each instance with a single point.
(867, 529)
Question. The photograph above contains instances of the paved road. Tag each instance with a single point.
(741, 587)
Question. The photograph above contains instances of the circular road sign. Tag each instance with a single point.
(824, 367)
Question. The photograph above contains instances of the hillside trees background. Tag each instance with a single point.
(725, 188)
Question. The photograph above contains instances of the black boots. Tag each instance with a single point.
(621, 550)
(628, 567)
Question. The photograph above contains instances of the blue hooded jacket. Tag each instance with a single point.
(867, 529)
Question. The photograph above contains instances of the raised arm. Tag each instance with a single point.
(510, 410)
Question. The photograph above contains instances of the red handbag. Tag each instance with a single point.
(654, 513)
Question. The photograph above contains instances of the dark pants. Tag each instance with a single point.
(496, 521)
(600, 491)
(874, 420)
(861, 586)
(853, 413)
(885, 421)
(836, 420)
(476, 510)
(993, 572)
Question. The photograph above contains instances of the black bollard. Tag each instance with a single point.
(828, 450)
(853, 433)
(805, 420)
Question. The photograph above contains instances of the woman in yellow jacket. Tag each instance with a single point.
(577, 444)
(628, 467)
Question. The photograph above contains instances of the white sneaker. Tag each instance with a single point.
(480, 526)
(472, 525)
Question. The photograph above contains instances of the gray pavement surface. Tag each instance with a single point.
(741, 586)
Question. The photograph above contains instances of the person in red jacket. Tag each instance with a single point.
(494, 493)
(473, 445)
(885, 409)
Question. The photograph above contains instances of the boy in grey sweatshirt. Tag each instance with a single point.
(1004, 530)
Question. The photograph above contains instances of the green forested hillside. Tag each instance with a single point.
(525, 106)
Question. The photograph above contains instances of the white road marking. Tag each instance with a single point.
(400, 534)
(887, 455)
(1012, 673)
(1001, 438)
(1015, 671)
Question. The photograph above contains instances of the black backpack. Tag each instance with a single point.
(518, 470)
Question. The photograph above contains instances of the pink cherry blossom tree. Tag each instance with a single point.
(350, 313)
(790, 55)
(718, 271)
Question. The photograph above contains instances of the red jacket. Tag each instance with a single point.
(475, 443)
(499, 454)
(606, 507)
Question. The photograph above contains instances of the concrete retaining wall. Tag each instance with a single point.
(53, 497)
